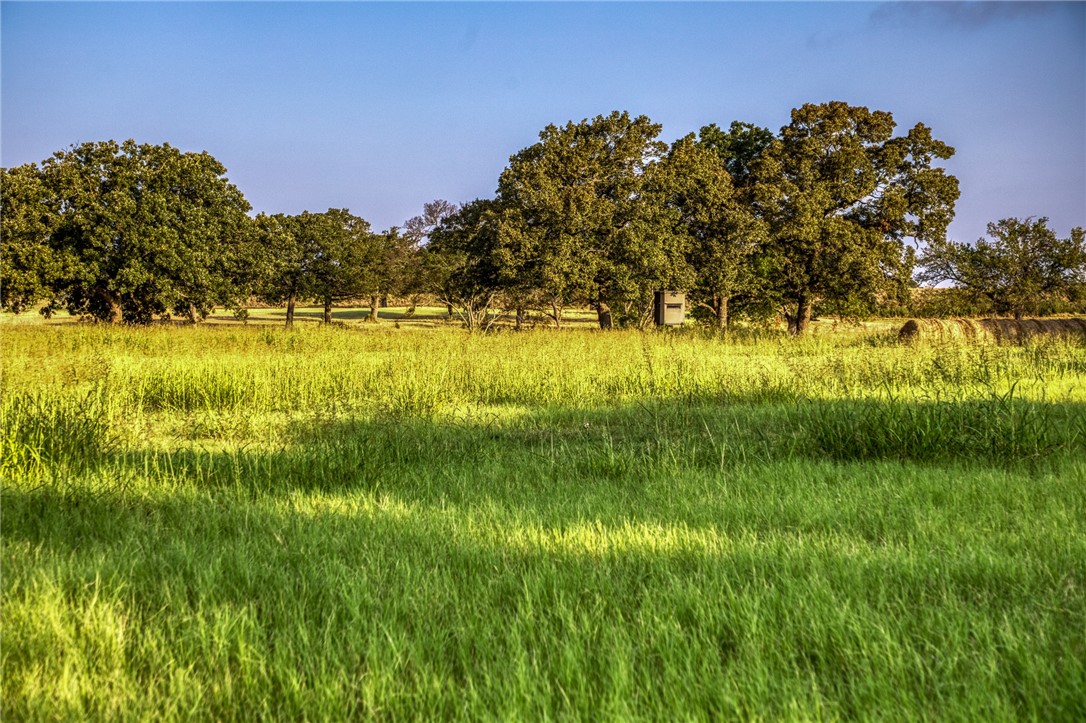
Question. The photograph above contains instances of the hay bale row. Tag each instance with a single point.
(1018, 331)
(1009, 331)
(943, 330)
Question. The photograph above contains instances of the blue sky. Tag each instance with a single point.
(380, 107)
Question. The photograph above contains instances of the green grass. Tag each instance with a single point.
(236, 523)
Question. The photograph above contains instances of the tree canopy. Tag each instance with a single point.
(739, 148)
(122, 231)
(845, 196)
(572, 210)
(1023, 265)
(827, 214)
(463, 263)
(30, 266)
(328, 257)
(721, 234)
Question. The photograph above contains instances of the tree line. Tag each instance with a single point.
(825, 215)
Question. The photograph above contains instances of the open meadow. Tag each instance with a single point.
(360, 521)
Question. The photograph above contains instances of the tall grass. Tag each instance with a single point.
(998, 429)
(239, 524)
(179, 370)
(45, 431)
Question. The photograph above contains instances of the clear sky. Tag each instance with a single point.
(380, 107)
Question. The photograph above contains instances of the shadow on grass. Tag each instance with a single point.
(708, 558)
(672, 436)
(385, 314)
(637, 463)
(624, 447)
(422, 317)
(690, 616)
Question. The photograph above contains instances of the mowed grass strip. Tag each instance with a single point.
(458, 545)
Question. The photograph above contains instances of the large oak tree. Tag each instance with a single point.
(573, 209)
(846, 196)
(123, 232)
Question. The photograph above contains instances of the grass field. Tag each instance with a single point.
(243, 522)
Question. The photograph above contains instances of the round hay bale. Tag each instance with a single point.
(1057, 327)
(909, 332)
(1004, 330)
(943, 330)
(1028, 328)
(971, 330)
(1072, 327)
(1018, 331)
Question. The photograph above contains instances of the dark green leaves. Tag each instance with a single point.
(574, 204)
(1021, 267)
(844, 195)
(122, 231)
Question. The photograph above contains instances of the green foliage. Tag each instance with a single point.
(575, 215)
(739, 148)
(819, 215)
(342, 252)
(123, 231)
(30, 268)
(845, 195)
(465, 264)
(818, 219)
(392, 266)
(946, 303)
(723, 237)
(328, 256)
(1023, 269)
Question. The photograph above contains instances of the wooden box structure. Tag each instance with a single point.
(669, 308)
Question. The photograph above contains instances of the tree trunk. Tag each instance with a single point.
(327, 310)
(603, 312)
(290, 309)
(116, 313)
(384, 301)
(520, 318)
(449, 310)
(112, 302)
(556, 310)
(722, 319)
(468, 314)
(194, 314)
(797, 325)
(374, 305)
(1018, 315)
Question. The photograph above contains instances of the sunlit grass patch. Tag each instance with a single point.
(239, 523)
